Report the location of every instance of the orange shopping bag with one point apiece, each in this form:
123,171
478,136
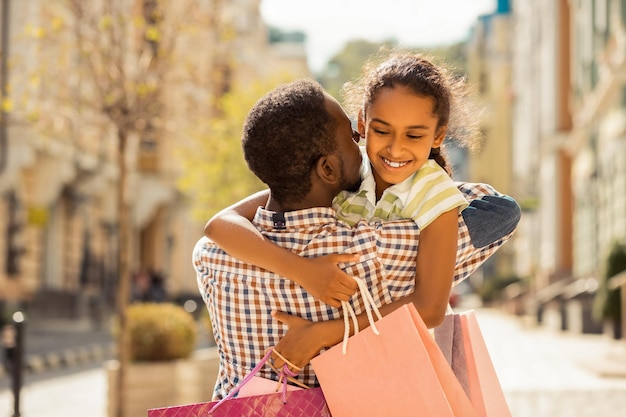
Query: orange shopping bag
463,345
398,372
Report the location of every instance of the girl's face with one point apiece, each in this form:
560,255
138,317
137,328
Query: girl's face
400,130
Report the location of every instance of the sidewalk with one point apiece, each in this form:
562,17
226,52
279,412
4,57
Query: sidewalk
556,374
543,374
64,344
54,344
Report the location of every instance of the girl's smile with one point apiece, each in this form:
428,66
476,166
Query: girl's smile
393,164
400,130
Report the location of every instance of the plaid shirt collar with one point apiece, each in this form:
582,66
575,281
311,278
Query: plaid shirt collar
294,220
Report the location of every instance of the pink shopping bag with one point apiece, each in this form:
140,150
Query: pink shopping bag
299,403
259,399
485,390
463,345
398,372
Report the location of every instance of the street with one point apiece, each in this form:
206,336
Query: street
543,374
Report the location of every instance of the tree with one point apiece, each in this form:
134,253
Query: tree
215,171
346,65
454,55
101,78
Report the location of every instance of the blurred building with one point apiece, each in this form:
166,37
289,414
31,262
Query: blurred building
489,69
564,110
58,233
542,120
598,140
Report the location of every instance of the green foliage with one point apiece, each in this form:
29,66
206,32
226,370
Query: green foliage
215,172
607,303
492,287
346,65
453,55
278,35
529,203
160,332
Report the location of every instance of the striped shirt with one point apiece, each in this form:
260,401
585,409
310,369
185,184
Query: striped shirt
240,296
423,197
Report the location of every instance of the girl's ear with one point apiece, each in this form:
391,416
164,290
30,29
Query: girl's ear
440,136
327,169
360,124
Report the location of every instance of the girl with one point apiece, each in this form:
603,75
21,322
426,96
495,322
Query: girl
404,114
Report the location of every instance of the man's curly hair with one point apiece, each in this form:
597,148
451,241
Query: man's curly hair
284,135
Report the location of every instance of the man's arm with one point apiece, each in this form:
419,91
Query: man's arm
484,226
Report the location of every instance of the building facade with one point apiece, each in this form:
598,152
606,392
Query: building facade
489,52
58,199
598,140
568,140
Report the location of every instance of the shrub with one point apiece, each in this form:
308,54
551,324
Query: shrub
160,332
493,286
608,304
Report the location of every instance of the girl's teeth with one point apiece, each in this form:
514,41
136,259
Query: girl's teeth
394,164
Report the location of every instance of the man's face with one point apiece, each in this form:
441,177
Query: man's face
347,147
349,182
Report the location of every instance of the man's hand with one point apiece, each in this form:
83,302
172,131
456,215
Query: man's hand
324,280
301,343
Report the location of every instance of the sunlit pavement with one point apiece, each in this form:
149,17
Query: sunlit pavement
543,373
547,373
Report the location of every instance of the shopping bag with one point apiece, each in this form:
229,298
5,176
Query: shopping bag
260,398
259,385
392,368
299,403
449,337
462,342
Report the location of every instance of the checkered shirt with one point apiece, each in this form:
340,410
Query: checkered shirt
240,296
468,256
423,197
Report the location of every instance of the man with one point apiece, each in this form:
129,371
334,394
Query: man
298,140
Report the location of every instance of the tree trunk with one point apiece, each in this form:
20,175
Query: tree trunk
123,289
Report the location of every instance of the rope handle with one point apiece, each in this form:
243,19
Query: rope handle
348,313
296,367
285,374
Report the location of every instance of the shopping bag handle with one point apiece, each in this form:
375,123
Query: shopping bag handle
285,374
348,313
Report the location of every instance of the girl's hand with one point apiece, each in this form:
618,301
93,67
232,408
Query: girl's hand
301,343
324,280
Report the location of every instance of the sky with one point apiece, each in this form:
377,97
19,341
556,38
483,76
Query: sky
329,24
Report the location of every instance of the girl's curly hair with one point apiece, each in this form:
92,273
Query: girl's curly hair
425,76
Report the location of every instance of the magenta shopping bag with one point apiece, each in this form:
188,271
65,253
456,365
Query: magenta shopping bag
291,402
299,403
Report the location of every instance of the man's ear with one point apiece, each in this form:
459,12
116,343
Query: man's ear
327,169
360,123
440,136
